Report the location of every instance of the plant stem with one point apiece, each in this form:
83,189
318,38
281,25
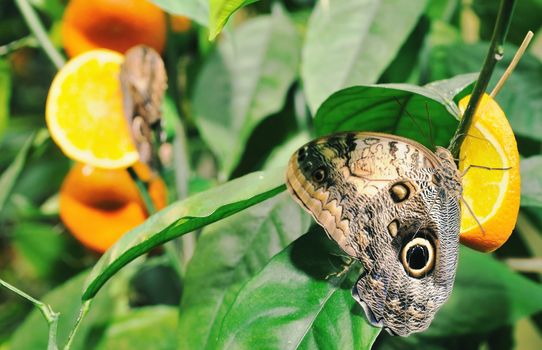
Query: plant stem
513,64
82,313
27,41
143,192
50,316
171,251
35,25
494,54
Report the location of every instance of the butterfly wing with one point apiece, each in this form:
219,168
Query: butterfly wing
377,197
143,81
409,275
335,177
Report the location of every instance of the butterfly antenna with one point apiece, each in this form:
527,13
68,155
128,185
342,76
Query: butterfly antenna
473,215
404,109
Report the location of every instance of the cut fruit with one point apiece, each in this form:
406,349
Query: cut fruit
492,195
84,111
112,24
98,206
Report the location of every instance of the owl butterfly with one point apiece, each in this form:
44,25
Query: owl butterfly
143,81
394,205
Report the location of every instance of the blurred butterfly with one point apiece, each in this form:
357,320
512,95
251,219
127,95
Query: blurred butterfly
143,82
394,205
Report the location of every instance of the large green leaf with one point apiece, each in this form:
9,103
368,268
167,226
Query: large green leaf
228,253
291,302
5,92
151,327
185,216
487,295
198,10
531,181
426,114
220,11
336,329
520,98
65,299
351,42
243,82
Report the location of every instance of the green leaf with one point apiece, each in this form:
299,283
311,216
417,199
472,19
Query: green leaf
487,295
53,8
288,304
182,217
5,92
29,238
531,182
11,174
198,10
520,98
33,332
336,329
426,114
151,327
351,42
228,253
245,81
220,11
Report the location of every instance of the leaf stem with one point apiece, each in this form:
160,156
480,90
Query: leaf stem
50,316
85,307
171,250
143,192
494,55
35,25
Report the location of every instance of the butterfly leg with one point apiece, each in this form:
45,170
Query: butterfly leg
472,166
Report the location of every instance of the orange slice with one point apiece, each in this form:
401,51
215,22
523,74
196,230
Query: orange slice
84,111
493,195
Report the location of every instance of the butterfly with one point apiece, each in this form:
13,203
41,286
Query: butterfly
144,81
393,204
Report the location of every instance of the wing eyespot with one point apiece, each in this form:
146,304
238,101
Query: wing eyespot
418,257
400,192
393,227
319,175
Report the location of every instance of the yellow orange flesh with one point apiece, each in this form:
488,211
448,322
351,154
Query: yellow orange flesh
84,111
492,195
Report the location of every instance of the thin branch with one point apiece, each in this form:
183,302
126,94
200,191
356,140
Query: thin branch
82,313
171,251
494,54
50,316
513,64
143,191
35,25
525,264
27,41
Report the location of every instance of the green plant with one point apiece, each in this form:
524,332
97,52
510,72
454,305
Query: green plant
254,272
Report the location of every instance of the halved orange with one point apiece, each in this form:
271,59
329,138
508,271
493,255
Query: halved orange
84,111
99,205
492,195
112,24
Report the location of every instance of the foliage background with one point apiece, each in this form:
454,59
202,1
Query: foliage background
246,101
